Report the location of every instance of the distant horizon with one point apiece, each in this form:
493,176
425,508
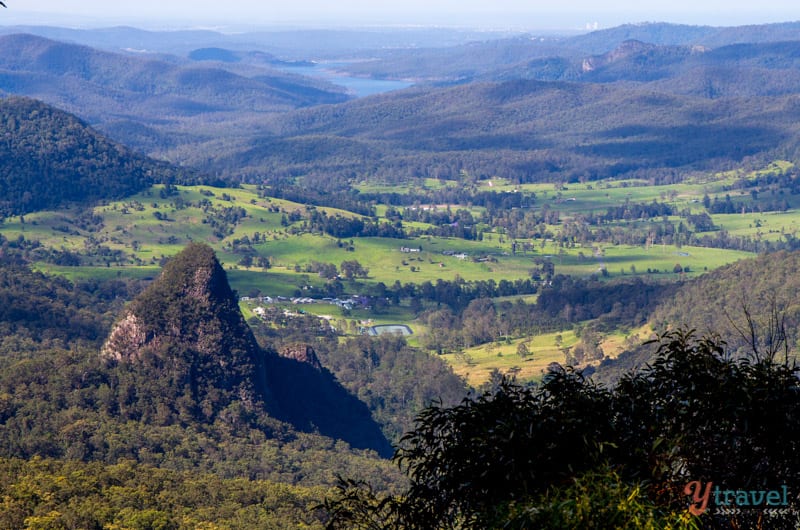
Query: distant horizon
504,15
232,28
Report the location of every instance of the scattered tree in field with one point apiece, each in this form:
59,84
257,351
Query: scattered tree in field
353,269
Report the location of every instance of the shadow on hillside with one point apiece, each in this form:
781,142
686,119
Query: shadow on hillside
313,401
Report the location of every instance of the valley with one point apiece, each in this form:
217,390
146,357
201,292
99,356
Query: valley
271,247
239,271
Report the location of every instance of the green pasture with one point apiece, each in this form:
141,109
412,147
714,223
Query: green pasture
476,364
132,227
387,263
627,260
100,273
768,226
596,197
424,184
664,258
273,282
52,229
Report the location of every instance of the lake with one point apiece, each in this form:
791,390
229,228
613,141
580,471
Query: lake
357,86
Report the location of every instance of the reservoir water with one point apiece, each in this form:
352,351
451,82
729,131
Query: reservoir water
357,86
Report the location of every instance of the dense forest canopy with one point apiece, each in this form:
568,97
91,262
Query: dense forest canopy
50,158
62,399
529,131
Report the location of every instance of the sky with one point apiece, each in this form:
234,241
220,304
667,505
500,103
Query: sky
490,14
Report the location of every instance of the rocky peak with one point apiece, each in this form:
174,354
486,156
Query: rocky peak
189,320
191,303
191,348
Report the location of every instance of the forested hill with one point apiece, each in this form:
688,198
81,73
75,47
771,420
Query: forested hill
657,104
63,403
189,320
102,83
749,298
525,130
49,157
717,301
663,33
737,70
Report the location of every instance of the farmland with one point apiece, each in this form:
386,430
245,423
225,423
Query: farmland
272,246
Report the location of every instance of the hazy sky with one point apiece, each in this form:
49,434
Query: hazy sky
530,14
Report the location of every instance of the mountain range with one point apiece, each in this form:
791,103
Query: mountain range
484,58
694,98
289,44
527,130
146,102
168,373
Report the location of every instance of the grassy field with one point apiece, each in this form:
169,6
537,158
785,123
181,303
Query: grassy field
148,227
596,197
767,226
131,238
140,232
476,364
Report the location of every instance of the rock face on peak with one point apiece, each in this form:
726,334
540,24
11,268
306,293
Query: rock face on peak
193,355
628,48
302,353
